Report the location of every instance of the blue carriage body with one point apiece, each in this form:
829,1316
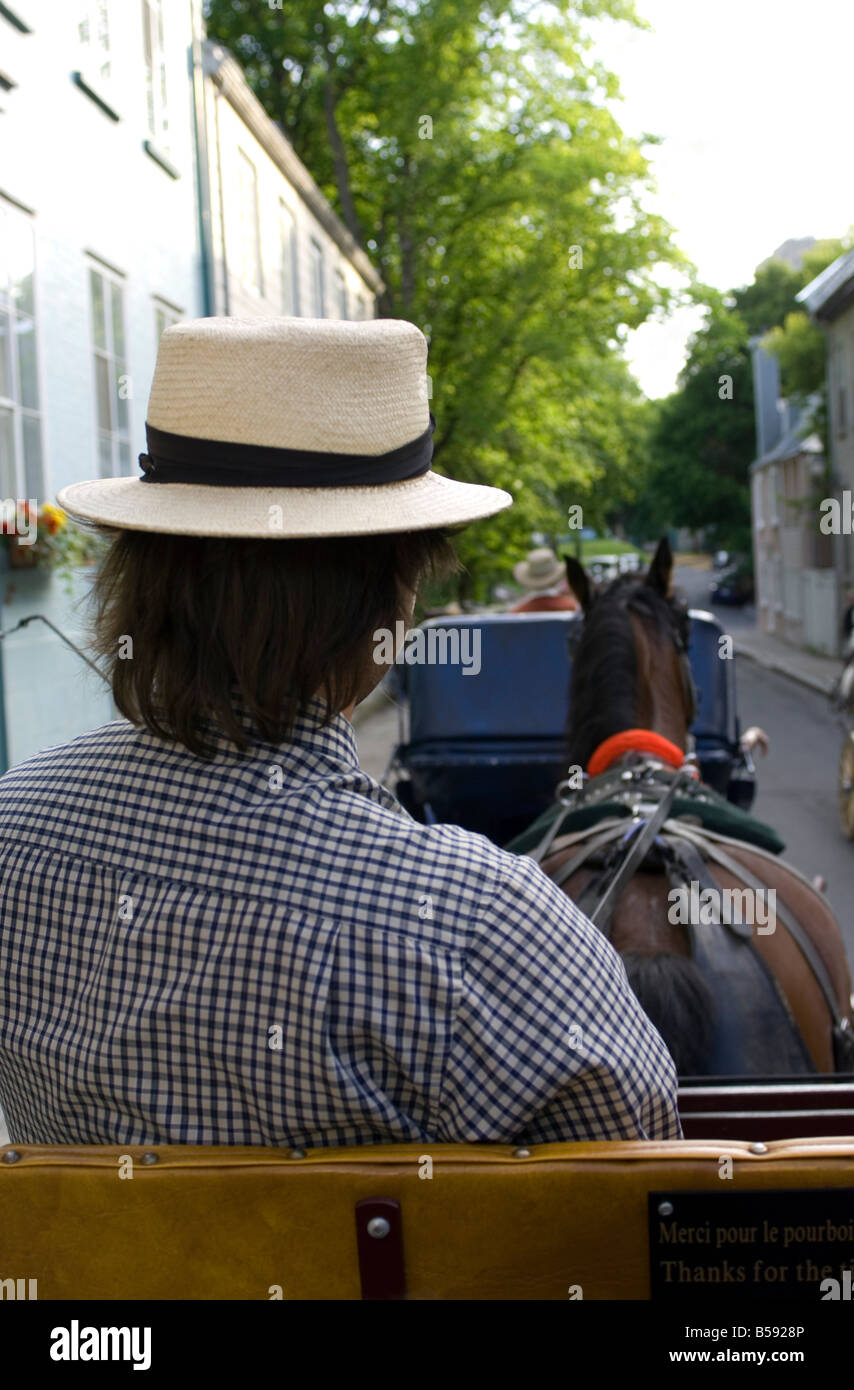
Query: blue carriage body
487,750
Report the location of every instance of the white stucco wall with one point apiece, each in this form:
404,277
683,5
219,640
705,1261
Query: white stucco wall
91,188
229,140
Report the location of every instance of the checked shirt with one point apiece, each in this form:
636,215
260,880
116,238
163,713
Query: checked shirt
264,948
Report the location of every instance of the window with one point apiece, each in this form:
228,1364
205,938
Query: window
250,226
94,33
111,380
21,473
155,72
317,287
164,317
288,260
341,294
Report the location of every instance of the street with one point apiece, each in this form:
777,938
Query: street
797,779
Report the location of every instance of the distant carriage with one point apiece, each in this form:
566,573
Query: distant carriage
486,752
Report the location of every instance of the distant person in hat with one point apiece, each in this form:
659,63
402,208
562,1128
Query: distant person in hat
544,576
215,928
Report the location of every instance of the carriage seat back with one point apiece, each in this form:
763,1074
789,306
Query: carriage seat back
488,711
715,724
521,690
426,1221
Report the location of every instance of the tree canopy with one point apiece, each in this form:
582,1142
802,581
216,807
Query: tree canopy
701,440
470,148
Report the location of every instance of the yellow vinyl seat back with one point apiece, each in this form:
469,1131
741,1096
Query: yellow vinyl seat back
424,1222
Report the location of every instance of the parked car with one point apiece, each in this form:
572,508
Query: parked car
604,568
733,585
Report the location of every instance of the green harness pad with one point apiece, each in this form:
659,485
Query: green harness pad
700,803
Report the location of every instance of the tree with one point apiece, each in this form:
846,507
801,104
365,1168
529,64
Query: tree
469,149
703,440
801,345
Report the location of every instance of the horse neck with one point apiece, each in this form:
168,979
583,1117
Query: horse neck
660,686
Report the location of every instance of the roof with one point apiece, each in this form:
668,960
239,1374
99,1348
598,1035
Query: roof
790,446
832,291
228,75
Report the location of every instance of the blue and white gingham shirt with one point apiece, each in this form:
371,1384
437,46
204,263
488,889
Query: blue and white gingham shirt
266,949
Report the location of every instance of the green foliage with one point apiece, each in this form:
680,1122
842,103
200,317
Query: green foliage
703,438
770,296
468,148
800,347
700,444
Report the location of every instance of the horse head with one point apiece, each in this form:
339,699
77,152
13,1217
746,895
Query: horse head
630,665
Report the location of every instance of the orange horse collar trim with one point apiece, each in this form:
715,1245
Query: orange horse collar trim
634,741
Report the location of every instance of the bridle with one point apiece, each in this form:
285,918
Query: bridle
690,697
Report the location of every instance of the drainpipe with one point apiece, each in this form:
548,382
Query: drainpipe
203,186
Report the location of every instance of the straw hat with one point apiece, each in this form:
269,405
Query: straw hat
540,570
286,427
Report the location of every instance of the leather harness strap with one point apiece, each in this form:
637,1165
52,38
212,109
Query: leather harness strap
638,847
789,921
688,847
606,837
750,1001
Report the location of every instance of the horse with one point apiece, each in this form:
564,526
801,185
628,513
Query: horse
729,996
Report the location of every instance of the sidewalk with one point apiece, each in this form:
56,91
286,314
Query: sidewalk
818,672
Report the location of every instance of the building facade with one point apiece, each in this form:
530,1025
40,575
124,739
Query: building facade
274,244
829,299
793,563
140,183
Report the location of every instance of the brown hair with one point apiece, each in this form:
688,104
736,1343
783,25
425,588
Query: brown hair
274,622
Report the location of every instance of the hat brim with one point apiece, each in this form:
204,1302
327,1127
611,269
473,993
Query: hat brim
191,509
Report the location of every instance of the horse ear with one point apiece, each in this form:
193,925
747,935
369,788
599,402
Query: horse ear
578,581
661,570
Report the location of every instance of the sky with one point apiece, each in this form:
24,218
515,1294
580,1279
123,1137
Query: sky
754,101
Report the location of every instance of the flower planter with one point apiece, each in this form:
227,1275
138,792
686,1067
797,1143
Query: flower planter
24,557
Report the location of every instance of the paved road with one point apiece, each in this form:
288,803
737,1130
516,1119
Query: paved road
797,780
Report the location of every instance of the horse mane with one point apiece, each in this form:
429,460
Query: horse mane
603,688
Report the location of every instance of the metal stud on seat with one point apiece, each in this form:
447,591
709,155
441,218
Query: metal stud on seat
521,1153
759,1148
11,1156
296,1153
379,1240
150,1158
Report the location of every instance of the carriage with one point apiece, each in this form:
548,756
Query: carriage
487,750
435,1221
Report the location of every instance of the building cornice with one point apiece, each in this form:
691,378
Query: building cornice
227,75
831,292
